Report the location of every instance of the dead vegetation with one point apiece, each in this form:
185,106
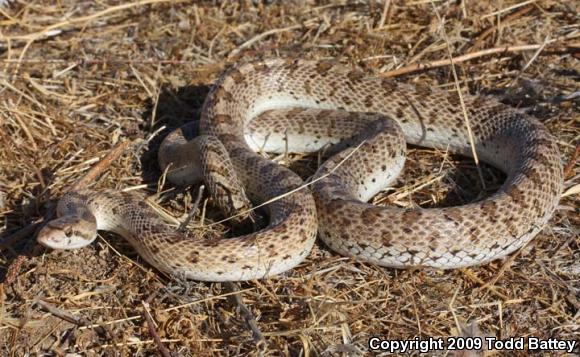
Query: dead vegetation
78,78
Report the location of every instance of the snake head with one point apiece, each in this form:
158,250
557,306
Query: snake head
68,232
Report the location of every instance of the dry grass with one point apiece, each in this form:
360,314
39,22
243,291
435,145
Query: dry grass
80,77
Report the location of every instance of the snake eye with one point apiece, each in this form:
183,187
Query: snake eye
68,232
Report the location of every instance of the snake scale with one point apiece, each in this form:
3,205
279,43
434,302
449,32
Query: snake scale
294,105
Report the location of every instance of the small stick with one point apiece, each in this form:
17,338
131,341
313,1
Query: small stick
490,30
153,332
386,6
508,9
96,170
570,165
193,210
67,316
257,335
416,67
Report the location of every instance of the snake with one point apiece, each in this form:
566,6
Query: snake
364,122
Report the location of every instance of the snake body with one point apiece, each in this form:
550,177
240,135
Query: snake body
293,105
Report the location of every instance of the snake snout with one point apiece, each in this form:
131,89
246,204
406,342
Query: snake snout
67,232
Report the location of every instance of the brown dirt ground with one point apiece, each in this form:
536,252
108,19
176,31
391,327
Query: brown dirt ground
80,77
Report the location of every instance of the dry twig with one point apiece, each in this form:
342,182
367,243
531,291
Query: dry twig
479,41
67,316
257,335
463,58
193,210
153,331
101,166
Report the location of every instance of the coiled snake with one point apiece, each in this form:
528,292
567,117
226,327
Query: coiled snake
292,105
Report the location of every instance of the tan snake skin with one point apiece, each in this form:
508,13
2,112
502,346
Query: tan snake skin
260,106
